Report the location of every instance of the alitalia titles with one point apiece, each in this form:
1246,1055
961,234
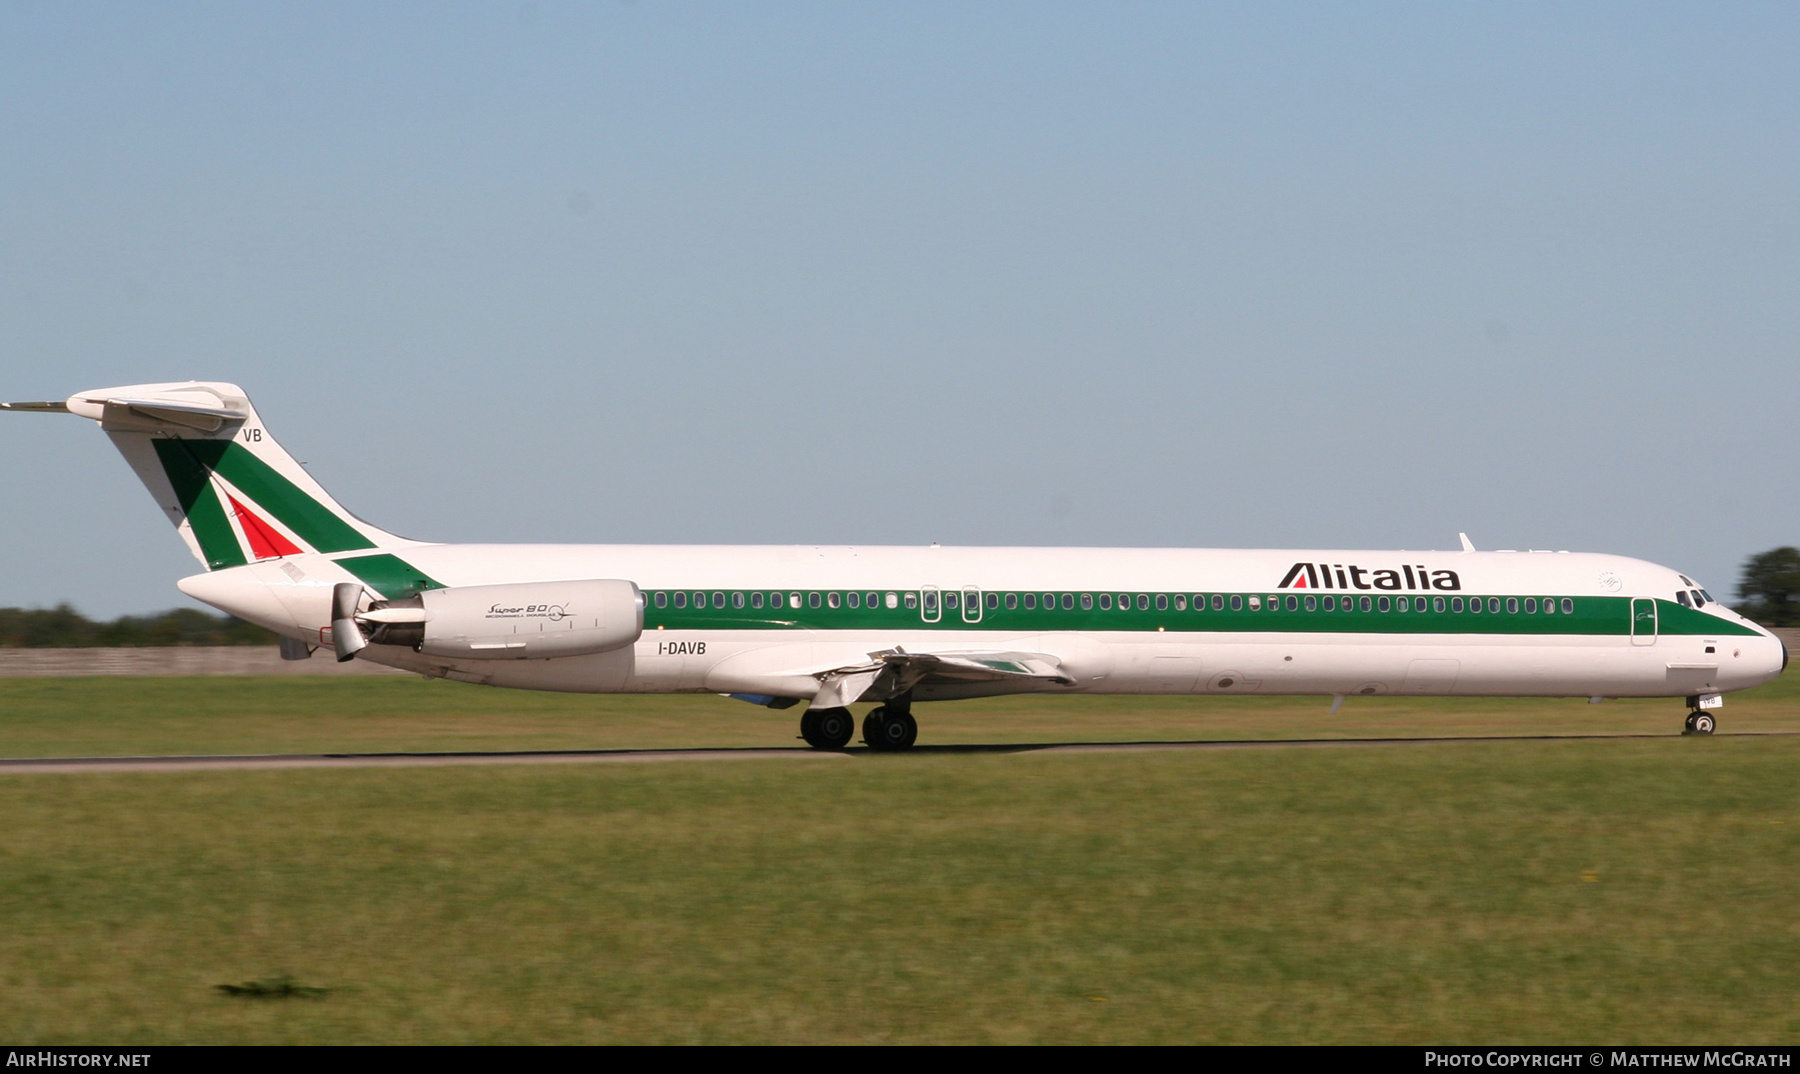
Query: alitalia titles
1351,576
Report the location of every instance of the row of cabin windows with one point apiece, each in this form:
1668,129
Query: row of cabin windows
757,600
1143,602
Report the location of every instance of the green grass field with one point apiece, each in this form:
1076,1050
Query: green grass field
110,717
1637,890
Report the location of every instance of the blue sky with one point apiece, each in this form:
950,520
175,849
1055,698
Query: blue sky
1357,275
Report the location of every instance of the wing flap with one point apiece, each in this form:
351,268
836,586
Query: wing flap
893,672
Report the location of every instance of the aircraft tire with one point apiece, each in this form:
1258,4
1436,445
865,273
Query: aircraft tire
1703,723
827,729
1688,727
887,730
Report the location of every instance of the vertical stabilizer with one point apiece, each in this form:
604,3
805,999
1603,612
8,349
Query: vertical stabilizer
235,496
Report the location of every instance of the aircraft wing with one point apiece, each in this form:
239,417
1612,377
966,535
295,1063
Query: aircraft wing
892,672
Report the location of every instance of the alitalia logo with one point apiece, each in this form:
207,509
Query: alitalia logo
1351,576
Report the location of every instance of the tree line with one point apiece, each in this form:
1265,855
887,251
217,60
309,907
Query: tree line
1769,591
64,627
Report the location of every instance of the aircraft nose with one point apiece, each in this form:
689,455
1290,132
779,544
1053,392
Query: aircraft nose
1772,667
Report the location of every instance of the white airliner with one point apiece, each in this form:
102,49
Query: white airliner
833,626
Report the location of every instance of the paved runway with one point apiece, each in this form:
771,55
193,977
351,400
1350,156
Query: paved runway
226,762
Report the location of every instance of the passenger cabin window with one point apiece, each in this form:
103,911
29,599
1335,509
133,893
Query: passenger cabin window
1255,604
662,599
951,600
1384,604
1068,602
1031,602
1293,603
1437,604
1312,603
1366,604
912,601
1106,602
1530,605
1162,602
737,600
893,600
1512,605
1329,602
1181,602
853,599
1237,602
812,600
1568,606
756,599
931,601
992,600
793,600
1087,602
1494,605
680,599
1143,602
832,600
1012,602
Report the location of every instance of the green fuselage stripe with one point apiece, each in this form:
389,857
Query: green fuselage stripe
389,575
1597,616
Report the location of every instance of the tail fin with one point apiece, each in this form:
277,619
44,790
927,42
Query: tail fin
235,496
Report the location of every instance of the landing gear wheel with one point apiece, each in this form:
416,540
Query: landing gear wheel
1702,723
1688,728
888,729
827,729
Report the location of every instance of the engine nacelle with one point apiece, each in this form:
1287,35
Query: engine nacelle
519,621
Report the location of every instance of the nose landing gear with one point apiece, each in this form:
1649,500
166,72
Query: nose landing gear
1699,722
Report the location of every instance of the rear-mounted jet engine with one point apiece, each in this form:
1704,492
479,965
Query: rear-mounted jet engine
527,620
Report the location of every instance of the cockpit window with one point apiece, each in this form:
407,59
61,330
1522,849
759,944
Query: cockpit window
1707,596
1681,598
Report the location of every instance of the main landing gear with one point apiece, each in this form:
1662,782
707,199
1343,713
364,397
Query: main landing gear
1698,721
887,728
890,727
827,729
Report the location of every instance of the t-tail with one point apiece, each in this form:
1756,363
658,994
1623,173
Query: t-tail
234,495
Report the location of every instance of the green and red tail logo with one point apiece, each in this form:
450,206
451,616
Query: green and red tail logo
241,509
